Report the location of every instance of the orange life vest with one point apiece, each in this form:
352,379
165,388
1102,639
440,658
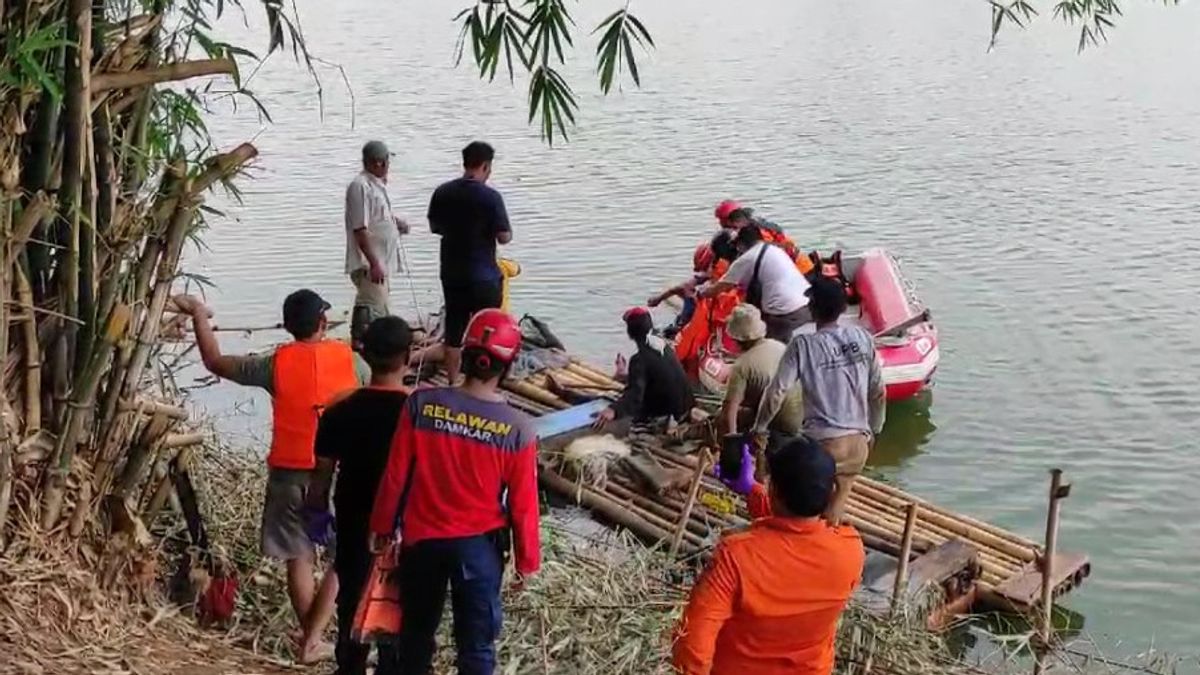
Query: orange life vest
307,377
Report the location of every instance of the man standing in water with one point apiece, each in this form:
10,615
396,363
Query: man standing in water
461,475
372,239
302,377
844,403
471,219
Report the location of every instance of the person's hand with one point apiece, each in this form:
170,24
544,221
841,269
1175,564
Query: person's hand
377,273
401,225
604,417
744,482
190,304
377,543
654,301
758,443
318,524
517,585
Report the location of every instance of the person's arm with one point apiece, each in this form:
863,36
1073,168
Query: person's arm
221,365
709,607
785,378
735,394
500,224
523,510
630,402
434,214
395,475
758,503
876,393
716,288
327,448
734,277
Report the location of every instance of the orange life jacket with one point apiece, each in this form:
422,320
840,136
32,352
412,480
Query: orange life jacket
803,263
307,377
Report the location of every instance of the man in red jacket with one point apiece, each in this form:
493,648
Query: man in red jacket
462,470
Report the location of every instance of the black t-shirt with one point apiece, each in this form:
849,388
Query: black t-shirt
657,385
468,215
357,432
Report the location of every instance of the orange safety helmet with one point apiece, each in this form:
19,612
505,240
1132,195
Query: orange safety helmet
724,209
494,332
703,258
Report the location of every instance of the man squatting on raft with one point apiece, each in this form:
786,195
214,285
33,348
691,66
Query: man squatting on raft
842,383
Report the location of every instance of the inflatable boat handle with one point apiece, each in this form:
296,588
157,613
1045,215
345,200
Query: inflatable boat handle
898,329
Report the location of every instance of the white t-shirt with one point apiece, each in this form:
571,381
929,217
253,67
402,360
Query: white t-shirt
368,206
783,285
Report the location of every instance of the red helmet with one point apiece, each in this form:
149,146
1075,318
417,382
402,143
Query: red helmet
703,258
494,332
725,208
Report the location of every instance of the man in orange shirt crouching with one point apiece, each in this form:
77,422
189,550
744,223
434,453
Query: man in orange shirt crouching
770,599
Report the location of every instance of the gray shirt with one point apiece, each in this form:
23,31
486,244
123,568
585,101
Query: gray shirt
841,379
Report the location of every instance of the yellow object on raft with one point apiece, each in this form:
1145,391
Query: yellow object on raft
508,269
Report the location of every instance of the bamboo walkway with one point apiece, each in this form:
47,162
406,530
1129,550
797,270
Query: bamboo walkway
1008,574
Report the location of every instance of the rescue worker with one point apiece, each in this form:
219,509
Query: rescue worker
772,234
656,386
462,472
842,382
723,211
702,263
755,367
710,313
372,238
355,437
770,599
302,377
771,282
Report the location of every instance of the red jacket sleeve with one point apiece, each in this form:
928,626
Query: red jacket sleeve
395,476
523,509
757,502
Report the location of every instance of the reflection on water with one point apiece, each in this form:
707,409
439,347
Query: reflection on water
1044,202
908,428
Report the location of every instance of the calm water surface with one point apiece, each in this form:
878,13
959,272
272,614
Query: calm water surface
1043,201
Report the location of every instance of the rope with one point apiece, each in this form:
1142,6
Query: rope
412,289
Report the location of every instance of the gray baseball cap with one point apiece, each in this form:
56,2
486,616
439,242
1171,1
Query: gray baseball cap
375,151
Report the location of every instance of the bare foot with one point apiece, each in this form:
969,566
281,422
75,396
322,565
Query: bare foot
312,651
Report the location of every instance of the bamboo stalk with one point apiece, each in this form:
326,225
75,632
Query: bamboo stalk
703,515
172,72
591,375
656,508
535,393
910,522
86,281
148,407
1058,492
183,440
82,402
693,491
958,527
929,507
33,365
35,210
602,505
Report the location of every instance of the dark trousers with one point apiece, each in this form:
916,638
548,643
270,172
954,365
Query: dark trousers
472,567
353,565
781,326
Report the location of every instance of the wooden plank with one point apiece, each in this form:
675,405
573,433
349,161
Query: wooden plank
1024,589
935,567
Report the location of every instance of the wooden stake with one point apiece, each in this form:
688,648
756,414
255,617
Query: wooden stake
693,491
1058,492
910,524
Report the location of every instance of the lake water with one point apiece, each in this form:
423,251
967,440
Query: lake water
1043,201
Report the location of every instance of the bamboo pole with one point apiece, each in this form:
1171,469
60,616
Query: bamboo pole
929,507
910,523
172,72
1058,492
955,525
656,508
693,492
35,210
535,393
603,506
184,440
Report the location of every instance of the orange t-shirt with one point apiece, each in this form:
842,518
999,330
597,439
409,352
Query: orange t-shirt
770,600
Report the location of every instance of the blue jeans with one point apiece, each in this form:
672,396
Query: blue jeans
473,569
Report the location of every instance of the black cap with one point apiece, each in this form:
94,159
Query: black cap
802,476
827,297
302,312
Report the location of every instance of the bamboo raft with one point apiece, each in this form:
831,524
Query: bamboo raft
1005,568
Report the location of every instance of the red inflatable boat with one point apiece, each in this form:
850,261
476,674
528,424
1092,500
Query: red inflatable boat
905,337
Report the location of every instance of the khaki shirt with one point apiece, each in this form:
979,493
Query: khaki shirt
258,370
753,372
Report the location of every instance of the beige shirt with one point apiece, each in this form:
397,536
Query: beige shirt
368,207
752,374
